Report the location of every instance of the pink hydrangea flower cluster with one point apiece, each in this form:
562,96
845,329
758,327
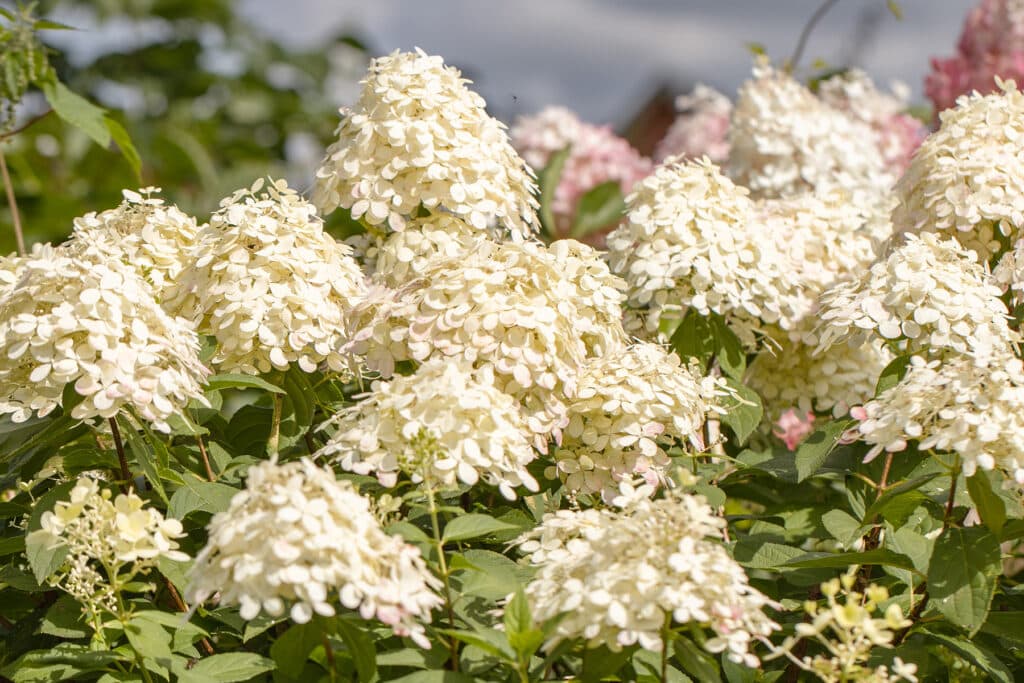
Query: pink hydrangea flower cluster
701,127
597,155
792,428
991,44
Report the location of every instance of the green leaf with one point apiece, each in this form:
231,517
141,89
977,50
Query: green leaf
291,650
78,111
696,661
239,381
991,507
435,677
125,145
494,577
744,413
842,526
878,556
517,614
473,525
548,180
64,620
650,663
962,575
149,638
174,570
361,648
973,653
812,451
756,554
914,545
600,207
1006,625
694,338
62,662
489,640
894,493
600,662
728,348
196,494
147,455
892,373
227,668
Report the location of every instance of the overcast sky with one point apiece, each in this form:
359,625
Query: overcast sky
603,57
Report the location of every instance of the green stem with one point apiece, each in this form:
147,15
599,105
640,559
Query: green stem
126,475
443,563
273,443
806,33
206,458
19,236
329,654
666,634
954,474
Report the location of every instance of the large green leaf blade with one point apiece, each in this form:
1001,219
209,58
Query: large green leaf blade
962,575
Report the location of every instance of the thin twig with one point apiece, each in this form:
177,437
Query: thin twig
182,607
15,216
126,474
206,459
801,43
954,475
31,122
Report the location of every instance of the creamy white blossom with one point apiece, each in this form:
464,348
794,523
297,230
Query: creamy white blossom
154,238
690,241
897,133
928,292
445,423
1008,274
78,318
836,379
967,179
786,141
398,258
270,284
631,404
418,136
614,575
975,409
108,543
533,313
298,540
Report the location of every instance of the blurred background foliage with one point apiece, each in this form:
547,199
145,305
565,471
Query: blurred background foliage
209,101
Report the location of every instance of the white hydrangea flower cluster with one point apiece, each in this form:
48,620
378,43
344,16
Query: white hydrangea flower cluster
419,137
398,258
630,404
80,319
296,535
11,265
445,423
533,313
824,236
835,379
897,134
154,238
928,293
957,405
967,179
850,634
689,241
786,141
701,127
270,284
120,536
614,575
